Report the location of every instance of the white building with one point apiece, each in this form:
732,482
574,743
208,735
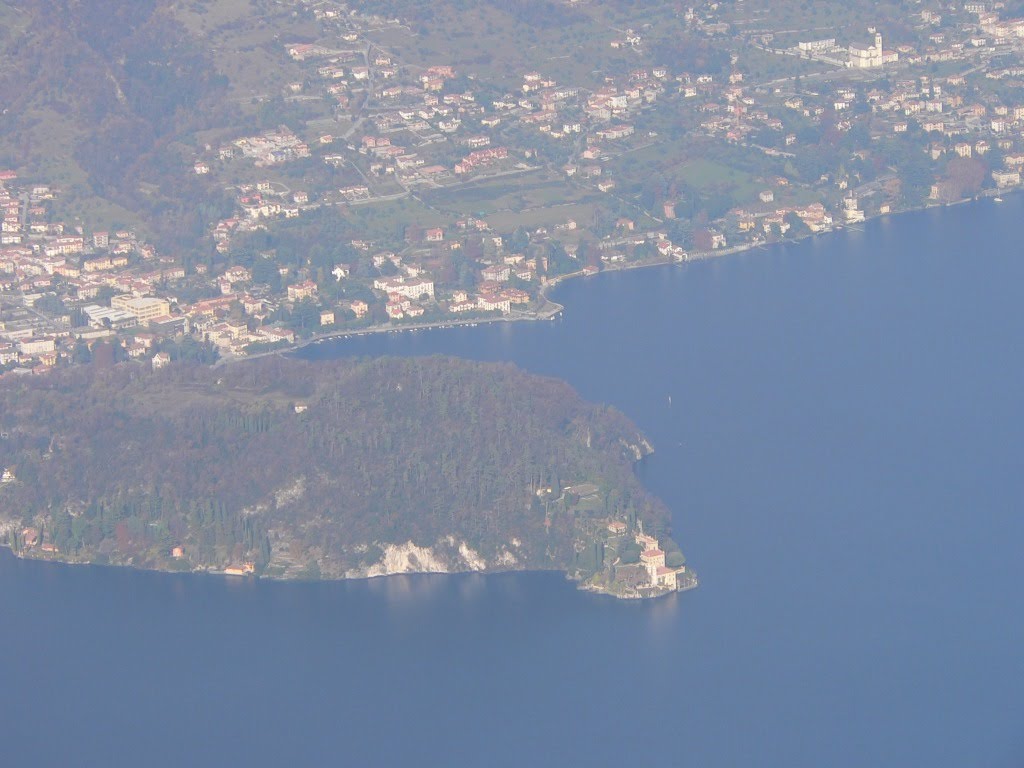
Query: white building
872,56
851,211
490,302
411,289
103,317
817,46
36,346
143,309
1006,178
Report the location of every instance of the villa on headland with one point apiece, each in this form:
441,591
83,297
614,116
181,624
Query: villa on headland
652,558
643,573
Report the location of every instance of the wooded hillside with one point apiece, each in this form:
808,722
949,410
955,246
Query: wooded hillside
312,465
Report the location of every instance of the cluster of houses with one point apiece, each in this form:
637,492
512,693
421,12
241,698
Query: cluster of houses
256,205
410,296
51,275
419,116
961,113
268,148
480,158
433,126
68,289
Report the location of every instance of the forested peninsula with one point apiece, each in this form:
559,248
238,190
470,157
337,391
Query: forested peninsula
289,469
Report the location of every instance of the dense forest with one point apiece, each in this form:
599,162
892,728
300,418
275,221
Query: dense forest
312,468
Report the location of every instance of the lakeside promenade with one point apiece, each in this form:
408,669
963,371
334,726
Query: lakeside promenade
551,310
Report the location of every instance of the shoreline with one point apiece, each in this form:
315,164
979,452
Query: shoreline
552,310
231,577
549,310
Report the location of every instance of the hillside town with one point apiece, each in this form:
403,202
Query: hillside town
463,198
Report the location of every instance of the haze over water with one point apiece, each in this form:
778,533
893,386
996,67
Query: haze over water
843,455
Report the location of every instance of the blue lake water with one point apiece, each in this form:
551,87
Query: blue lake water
844,455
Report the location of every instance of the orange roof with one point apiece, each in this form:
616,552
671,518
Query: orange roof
652,553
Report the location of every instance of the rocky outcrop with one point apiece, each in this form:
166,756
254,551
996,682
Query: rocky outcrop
637,449
446,556
409,558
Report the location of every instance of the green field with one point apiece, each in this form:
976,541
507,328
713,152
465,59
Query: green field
386,222
513,193
548,217
538,199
